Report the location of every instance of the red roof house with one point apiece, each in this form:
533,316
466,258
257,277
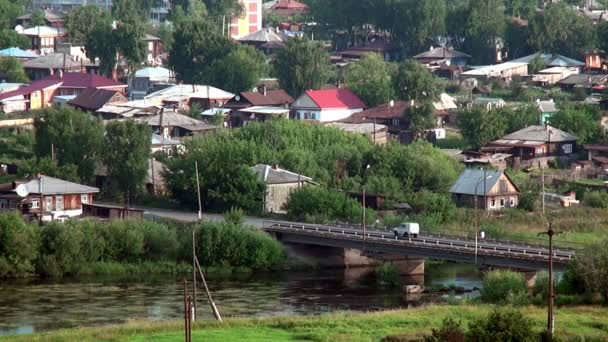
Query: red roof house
288,8
326,105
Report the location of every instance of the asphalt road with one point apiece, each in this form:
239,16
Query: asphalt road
186,216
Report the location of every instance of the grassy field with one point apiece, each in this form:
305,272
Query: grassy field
590,323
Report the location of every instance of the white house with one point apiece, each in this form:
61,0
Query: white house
326,105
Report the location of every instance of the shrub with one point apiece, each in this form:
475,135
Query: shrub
160,241
501,325
60,250
527,201
387,275
234,216
499,286
18,245
596,199
437,204
124,241
450,330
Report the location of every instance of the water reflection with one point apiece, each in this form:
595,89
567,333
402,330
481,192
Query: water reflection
31,305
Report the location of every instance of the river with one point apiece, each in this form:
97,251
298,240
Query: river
28,306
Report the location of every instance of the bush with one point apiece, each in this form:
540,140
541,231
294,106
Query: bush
124,240
18,246
234,216
318,202
60,250
501,325
439,205
499,286
450,330
527,201
387,275
596,199
160,241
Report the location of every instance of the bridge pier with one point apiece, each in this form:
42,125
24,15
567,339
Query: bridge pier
530,277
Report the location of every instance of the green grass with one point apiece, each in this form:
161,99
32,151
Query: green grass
588,322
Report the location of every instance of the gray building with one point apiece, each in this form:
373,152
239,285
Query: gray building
279,185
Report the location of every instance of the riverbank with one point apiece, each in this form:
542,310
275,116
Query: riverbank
588,322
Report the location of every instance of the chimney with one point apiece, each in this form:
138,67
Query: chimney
262,89
275,166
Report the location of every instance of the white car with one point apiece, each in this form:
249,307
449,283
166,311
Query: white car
407,229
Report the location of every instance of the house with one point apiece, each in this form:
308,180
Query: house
444,108
589,82
536,146
266,39
92,99
111,212
377,133
598,154
15,52
264,102
154,50
547,110
489,103
554,74
493,190
40,93
51,64
286,8
44,38
184,96
130,109
279,184
393,115
249,21
165,145
51,18
505,71
45,198
596,60
551,60
150,79
174,125
379,45
326,105
443,55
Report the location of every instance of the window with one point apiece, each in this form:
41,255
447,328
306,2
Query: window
12,205
395,122
84,198
512,201
567,148
34,205
3,204
59,203
492,203
502,202
49,203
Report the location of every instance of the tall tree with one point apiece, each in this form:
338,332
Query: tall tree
421,117
81,21
521,8
99,43
516,119
479,126
484,29
71,136
10,38
37,18
251,67
129,38
414,82
12,68
370,79
9,11
302,65
129,156
580,120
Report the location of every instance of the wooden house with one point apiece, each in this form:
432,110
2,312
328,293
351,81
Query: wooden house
494,190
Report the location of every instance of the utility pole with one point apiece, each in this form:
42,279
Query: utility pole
551,295
363,216
200,216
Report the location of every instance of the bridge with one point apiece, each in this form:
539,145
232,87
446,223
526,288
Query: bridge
382,244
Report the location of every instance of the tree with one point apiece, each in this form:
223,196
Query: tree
239,70
81,21
72,136
9,11
12,68
484,28
10,38
479,126
99,43
414,82
128,158
580,120
370,79
302,65
19,243
501,325
165,33
37,18
521,117
602,35
450,330
129,39
197,44
421,117
521,8
592,266
536,64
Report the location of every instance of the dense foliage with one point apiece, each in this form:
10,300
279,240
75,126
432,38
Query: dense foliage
500,286
501,325
12,69
59,249
336,160
581,121
370,78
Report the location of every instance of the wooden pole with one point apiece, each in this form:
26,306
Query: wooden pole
216,312
550,316
198,188
185,312
363,221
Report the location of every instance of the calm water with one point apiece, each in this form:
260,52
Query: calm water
30,306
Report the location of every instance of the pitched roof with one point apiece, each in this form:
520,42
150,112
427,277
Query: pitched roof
150,37
93,98
264,35
44,31
276,175
170,119
17,53
471,182
551,59
441,52
584,80
335,99
272,98
545,133
84,80
54,186
292,4
30,88
184,91
154,73
49,15
382,112
159,140
547,106
53,61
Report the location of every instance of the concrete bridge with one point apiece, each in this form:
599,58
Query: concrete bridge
347,247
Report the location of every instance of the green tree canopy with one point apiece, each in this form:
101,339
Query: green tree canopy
521,117
37,18
9,11
99,43
479,126
18,245
302,65
580,120
81,21
485,25
74,137
10,38
371,80
128,158
414,82
12,68
251,67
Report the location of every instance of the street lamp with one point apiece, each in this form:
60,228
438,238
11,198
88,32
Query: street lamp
363,200
477,209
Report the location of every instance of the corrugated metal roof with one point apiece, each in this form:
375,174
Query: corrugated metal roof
442,52
17,53
54,186
544,133
270,175
471,182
